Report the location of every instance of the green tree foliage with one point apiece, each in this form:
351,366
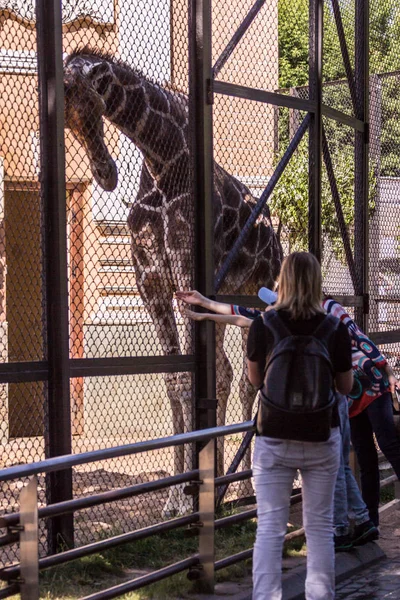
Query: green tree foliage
293,39
290,199
293,43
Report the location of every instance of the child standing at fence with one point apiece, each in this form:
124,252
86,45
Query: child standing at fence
371,409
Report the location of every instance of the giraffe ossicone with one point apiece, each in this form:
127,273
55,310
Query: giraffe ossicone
155,118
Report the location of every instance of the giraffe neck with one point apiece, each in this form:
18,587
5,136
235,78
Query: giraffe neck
154,118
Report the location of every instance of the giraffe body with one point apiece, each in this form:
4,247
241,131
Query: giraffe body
155,118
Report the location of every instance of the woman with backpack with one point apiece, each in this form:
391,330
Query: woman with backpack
297,424
348,501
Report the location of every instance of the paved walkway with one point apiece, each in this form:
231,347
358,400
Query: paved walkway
378,582
375,582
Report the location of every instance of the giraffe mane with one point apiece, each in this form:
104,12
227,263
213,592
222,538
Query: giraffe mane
82,50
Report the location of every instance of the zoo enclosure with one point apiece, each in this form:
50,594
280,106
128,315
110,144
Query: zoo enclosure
78,333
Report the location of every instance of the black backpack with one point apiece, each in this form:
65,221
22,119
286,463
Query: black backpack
297,398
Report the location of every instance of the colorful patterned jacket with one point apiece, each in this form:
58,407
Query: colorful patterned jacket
370,379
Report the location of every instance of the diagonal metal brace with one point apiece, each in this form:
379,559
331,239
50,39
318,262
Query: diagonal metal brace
235,463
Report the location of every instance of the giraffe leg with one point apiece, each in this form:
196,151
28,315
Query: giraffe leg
224,378
248,394
157,294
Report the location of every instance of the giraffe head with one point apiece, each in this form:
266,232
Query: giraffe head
84,110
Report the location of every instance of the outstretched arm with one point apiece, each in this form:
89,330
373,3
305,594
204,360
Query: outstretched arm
226,319
195,298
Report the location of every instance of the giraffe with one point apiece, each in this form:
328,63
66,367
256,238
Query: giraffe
155,118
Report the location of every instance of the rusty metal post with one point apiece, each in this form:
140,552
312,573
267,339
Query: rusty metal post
207,516
29,543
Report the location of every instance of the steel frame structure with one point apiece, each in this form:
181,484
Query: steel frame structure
59,368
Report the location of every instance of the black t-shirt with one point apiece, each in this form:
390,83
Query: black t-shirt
260,342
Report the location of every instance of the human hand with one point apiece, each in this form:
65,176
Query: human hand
191,297
392,379
195,316
393,382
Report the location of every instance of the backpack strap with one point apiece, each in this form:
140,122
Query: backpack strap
278,328
326,328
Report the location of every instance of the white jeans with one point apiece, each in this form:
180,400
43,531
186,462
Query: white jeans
274,468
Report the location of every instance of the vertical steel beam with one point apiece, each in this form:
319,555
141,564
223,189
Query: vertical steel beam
315,131
200,85
52,183
361,165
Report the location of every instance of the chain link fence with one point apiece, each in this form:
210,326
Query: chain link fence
130,235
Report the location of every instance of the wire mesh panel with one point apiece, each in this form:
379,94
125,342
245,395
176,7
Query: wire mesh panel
256,46
22,326
384,157
130,221
131,213
136,64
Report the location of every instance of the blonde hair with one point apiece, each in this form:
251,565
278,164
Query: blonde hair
300,286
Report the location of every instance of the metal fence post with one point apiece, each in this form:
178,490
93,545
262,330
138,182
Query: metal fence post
207,516
29,543
361,156
52,180
200,82
315,130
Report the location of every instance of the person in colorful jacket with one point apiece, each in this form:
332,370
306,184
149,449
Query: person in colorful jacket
370,409
374,380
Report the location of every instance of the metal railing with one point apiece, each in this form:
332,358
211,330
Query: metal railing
23,526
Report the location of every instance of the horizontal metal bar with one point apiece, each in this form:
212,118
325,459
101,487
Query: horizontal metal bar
70,460
9,538
388,299
139,582
294,534
244,555
9,591
131,365
102,545
224,479
24,371
349,300
296,499
233,519
255,302
341,117
387,74
240,91
248,301
385,482
69,506
97,367
231,560
385,337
